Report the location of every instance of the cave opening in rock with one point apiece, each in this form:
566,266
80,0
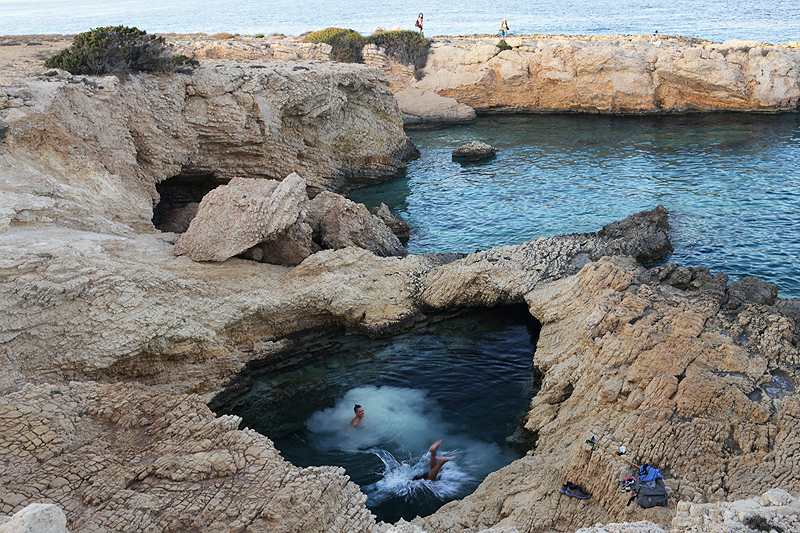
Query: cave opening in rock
181,191
466,379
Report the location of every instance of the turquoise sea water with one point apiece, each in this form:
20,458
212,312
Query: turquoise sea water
772,21
730,182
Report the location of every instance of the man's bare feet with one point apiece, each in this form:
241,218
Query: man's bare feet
435,446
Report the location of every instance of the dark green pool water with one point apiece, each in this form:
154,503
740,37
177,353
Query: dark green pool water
465,380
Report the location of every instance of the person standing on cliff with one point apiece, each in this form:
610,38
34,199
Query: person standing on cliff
359,415
418,23
504,29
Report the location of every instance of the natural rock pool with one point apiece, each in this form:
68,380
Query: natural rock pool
466,380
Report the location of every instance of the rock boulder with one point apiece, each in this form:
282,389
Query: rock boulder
339,223
398,226
236,217
474,151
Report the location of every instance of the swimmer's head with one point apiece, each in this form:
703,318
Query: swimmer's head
358,410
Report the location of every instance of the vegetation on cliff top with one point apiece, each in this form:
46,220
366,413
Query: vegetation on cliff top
115,49
407,47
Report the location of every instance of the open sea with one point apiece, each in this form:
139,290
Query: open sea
773,21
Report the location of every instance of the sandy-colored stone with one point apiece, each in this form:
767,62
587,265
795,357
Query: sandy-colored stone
613,74
423,107
336,125
693,374
235,217
139,460
36,518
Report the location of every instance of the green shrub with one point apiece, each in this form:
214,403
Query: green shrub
407,47
115,49
503,45
259,36
346,44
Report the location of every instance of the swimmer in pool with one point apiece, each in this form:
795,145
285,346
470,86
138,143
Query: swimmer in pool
359,415
436,464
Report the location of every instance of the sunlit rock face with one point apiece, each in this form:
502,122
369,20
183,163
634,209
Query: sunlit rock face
88,152
613,74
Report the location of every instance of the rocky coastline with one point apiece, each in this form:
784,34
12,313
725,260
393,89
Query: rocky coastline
112,345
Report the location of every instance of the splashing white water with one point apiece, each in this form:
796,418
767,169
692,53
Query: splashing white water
398,479
398,427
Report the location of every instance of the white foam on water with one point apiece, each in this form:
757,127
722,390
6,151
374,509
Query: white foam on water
399,427
397,418
398,479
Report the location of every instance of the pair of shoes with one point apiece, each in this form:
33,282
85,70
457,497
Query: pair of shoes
626,485
576,491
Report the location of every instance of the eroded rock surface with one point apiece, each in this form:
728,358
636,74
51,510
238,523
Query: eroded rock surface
693,374
664,362
613,75
65,292
127,458
87,152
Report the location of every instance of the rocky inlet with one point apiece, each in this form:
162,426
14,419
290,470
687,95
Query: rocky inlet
112,345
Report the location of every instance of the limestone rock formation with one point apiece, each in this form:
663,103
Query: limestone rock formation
36,517
228,310
613,74
338,223
235,217
395,223
474,151
663,362
693,374
128,458
337,125
423,107
273,222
